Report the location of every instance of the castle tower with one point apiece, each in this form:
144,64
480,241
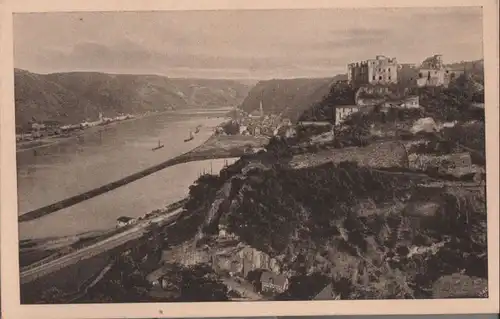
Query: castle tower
438,60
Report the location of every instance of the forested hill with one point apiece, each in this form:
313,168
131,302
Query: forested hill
73,97
475,69
291,97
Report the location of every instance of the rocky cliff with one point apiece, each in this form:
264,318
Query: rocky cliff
372,227
236,257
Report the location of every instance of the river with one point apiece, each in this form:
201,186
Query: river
103,155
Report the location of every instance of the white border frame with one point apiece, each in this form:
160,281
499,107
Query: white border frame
11,307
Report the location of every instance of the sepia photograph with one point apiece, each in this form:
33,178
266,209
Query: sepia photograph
252,155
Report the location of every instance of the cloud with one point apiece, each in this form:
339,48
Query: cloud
246,42
359,37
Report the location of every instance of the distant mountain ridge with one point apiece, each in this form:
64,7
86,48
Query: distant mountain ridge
290,97
73,97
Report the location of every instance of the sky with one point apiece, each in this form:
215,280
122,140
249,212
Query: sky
242,44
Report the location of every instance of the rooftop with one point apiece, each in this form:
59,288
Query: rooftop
315,123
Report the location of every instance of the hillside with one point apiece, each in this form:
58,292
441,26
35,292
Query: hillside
74,97
377,230
357,213
291,97
474,68
365,218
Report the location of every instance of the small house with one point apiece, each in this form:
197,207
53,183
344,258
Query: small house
314,123
219,130
124,221
272,282
227,263
411,102
343,111
255,114
285,131
286,121
38,130
223,231
38,126
243,129
256,131
290,132
52,124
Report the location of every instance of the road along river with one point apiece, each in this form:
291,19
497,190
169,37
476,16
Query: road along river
97,248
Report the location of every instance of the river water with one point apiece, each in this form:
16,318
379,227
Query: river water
106,154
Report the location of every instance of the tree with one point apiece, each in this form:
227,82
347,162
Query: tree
231,128
196,283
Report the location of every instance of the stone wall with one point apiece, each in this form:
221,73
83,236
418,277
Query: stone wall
449,161
384,154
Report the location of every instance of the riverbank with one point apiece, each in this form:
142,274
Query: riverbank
56,139
220,146
35,251
60,171
216,147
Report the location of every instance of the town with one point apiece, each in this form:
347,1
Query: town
48,128
381,81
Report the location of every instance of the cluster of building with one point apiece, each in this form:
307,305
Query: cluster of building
54,128
123,221
381,81
386,71
384,81
342,112
258,124
243,269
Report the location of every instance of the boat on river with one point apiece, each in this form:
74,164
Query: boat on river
158,147
190,138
